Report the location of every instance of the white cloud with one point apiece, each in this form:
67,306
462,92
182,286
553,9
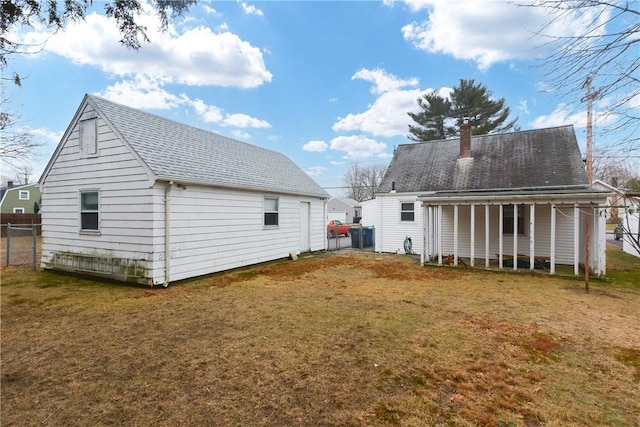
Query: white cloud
244,121
142,93
316,171
195,57
383,81
387,116
250,9
241,135
358,147
483,31
315,146
563,115
149,94
522,106
208,113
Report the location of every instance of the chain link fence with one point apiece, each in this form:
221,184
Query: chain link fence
20,245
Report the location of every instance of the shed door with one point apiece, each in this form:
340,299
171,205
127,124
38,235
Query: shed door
305,229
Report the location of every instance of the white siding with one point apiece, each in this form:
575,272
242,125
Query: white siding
369,213
631,224
390,230
219,229
126,215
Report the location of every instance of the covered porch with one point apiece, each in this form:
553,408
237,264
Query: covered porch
519,230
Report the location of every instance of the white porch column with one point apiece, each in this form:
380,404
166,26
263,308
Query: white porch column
425,228
473,235
500,221
515,236
486,236
552,240
532,224
439,233
576,239
455,235
601,266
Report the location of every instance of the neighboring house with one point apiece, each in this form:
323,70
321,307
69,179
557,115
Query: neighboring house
344,209
486,199
137,197
631,239
20,199
617,202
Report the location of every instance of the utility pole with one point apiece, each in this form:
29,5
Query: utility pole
587,222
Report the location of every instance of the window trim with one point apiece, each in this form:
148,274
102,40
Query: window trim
21,192
15,210
407,211
266,212
507,213
82,211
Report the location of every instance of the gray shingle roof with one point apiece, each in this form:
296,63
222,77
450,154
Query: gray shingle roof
177,151
528,159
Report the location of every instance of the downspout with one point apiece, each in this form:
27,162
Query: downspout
167,234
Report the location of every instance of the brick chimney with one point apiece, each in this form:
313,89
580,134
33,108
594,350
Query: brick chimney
9,184
465,139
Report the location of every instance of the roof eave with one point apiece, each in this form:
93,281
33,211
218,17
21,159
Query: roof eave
242,188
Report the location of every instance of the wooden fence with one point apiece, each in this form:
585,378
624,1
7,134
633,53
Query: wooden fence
19,219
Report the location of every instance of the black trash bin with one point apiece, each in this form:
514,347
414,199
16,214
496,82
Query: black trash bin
355,236
367,237
361,237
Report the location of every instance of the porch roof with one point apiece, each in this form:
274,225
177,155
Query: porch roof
544,195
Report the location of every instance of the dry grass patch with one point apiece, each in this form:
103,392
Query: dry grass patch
342,339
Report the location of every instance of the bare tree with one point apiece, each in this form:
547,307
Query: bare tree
608,167
605,50
361,182
16,145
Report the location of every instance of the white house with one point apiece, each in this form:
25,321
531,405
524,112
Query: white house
490,199
631,225
140,198
617,202
344,209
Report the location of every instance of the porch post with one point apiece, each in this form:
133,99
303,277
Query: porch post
552,239
532,223
473,235
515,236
486,236
425,227
455,235
500,220
576,240
439,233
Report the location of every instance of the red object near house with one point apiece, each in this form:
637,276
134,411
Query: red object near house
336,228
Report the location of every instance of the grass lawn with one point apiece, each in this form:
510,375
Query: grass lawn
348,339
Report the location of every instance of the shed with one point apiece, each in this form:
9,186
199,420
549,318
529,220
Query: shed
137,197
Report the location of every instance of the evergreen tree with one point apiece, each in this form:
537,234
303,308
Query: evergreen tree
486,115
431,119
440,118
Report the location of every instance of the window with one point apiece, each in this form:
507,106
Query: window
18,210
88,138
23,194
89,213
507,219
270,211
407,211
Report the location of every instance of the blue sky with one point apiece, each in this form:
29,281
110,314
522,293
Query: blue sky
326,83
